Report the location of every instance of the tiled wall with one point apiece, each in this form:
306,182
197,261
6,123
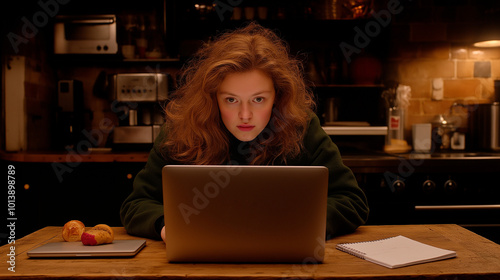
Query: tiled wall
419,65
432,42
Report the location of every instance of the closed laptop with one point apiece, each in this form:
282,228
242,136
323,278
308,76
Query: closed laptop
119,248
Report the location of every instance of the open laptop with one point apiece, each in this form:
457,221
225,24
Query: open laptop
232,213
119,248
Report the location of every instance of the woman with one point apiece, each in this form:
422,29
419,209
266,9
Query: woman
243,100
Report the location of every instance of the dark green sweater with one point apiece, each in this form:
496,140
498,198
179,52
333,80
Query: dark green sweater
142,212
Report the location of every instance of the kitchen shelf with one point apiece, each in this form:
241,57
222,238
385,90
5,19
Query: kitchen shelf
109,59
149,60
336,30
350,86
355,130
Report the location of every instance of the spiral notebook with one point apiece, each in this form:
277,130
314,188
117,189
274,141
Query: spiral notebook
397,251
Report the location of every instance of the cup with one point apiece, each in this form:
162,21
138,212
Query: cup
458,141
142,45
132,117
331,110
422,137
249,13
237,12
128,51
262,12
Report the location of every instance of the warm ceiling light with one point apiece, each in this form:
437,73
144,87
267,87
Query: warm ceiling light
487,44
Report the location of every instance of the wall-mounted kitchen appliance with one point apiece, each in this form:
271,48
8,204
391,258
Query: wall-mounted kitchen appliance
85,34
137,101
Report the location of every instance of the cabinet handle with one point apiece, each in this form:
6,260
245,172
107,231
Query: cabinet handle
92,21
457,207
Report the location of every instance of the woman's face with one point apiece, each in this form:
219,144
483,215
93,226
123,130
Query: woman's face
245,102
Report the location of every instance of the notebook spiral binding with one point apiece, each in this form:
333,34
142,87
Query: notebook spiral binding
353,252
345,247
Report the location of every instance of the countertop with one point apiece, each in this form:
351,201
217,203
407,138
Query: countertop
64,156
368,161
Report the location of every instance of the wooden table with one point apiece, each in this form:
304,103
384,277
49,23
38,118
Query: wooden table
477,258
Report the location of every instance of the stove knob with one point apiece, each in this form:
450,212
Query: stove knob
428,186
397,186
450,186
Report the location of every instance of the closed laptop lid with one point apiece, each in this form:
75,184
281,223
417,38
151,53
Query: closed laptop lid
119,248
236,213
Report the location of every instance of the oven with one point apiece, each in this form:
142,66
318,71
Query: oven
456,188
85,34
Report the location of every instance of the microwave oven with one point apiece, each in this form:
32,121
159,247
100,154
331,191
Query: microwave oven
89,34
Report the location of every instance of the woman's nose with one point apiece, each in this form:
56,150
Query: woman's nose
245,112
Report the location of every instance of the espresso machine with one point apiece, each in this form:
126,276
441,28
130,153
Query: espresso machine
137,102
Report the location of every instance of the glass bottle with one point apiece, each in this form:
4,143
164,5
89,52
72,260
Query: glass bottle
395,124
141,40
155,47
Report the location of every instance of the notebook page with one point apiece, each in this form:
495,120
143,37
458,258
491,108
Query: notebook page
396,251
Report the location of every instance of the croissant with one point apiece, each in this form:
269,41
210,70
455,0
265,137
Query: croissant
73,230
100,234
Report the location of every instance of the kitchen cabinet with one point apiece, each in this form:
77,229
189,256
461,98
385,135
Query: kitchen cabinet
439,188
52,193
330,48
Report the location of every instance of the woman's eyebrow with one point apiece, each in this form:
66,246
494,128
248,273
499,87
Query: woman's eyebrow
226,93
253,94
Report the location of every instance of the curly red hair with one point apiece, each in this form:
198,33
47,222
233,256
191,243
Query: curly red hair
196,133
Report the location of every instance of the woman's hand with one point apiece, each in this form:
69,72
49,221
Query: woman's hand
163,233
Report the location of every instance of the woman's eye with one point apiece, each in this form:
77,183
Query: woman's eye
259,99
231,100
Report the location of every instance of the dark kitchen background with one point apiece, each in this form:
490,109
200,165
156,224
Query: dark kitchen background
76,158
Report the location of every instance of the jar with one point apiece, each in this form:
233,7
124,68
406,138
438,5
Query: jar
365,69
442,132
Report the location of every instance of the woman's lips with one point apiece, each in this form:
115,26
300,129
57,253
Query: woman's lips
245,127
